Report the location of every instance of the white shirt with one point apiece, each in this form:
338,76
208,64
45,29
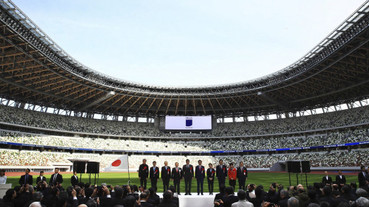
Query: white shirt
3,179
55,176
252,194
242,203
36,204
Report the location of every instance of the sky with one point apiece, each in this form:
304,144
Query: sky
187,43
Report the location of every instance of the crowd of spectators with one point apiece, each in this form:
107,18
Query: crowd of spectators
87,195
249,128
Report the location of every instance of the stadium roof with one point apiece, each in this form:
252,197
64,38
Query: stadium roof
35,70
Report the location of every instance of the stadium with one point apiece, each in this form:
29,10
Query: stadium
54,111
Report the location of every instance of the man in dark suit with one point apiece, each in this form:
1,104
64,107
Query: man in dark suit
200,176
242,176
143,173
177,175
340,179
210,175
56,178
221,172
326,180
154,175
74,179
26,178
362,177
188,174
165,175
41,178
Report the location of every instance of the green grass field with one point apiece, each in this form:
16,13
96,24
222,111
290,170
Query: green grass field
258,178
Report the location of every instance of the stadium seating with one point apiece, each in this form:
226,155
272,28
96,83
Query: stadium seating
251,128
230,136
255,143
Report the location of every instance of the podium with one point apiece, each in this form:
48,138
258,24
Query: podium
4,188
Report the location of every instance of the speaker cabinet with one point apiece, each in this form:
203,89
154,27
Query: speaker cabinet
93,167
305,166
79,167
293,166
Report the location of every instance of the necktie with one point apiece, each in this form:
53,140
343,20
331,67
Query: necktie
25,179
54,179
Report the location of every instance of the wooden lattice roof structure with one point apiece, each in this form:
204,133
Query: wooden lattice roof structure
35,70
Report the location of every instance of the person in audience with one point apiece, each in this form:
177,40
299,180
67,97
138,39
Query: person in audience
74,179
143,173
41,178
347,194
326,180
272,195
118,198
144,196
9,198
154,199
340,179
250,194
241,176
26,178
2,176
154,175
229,198
188,174
326,195
165,175
293,202
56,178
218,199
210,176
167,200
259,196
242,202
232,175
177,175
221,173
302,196
175,198
200,176
283,201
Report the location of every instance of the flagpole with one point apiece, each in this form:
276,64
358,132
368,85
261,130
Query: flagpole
129,176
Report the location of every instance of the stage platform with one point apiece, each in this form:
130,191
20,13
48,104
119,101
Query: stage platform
195,200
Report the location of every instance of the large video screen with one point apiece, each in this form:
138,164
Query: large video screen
188,123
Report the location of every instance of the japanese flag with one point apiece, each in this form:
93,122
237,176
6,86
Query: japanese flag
118,165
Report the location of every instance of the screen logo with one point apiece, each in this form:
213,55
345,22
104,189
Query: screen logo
189,122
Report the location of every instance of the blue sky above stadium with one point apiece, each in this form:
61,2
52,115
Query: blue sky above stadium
189,42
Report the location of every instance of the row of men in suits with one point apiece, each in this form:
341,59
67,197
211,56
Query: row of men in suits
340,179
56,178
221,172
363,178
